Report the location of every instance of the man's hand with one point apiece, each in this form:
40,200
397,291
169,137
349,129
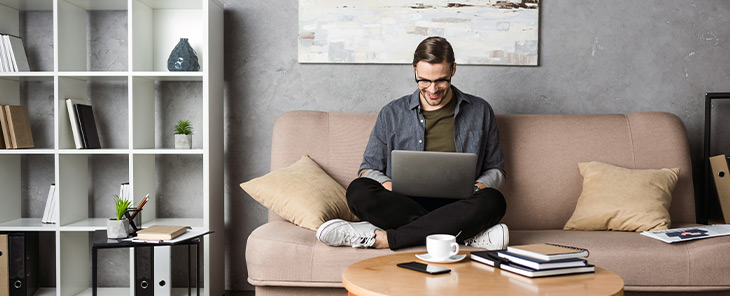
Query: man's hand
388,185
480,185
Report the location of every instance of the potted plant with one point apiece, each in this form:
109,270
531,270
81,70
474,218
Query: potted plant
118,227
183,135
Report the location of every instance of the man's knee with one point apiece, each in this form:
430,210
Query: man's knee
358,190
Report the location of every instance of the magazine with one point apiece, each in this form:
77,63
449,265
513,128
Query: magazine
689,233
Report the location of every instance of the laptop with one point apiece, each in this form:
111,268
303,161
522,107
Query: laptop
433,174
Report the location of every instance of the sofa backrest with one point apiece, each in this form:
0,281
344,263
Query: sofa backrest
542,153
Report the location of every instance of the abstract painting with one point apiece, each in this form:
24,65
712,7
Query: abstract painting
388,31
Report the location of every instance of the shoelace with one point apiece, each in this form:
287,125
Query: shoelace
357,240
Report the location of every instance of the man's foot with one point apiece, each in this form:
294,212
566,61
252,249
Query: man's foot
492,239
338,232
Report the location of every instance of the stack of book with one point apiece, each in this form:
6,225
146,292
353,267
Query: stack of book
15,132
12,54
537,260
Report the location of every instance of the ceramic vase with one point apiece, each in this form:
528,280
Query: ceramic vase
117,228
183,141
183,57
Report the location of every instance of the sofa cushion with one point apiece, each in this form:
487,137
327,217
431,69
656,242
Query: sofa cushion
302,193
294,257
616,198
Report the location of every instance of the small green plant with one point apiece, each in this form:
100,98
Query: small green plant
121,206
183,127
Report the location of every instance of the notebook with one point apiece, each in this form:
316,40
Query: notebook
161,232
433,174
547,251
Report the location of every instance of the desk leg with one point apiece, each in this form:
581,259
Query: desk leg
93,271
190,273
197,269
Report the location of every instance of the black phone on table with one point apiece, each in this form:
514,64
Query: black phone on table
425,268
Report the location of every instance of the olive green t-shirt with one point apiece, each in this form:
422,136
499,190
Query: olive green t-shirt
440,128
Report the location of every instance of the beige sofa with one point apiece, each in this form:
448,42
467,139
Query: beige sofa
543,184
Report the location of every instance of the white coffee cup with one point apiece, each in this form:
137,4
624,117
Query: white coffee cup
441,246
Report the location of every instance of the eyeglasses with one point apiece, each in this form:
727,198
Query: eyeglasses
424,83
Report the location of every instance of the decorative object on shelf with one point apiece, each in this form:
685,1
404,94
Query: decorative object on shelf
183,57
183,135
118,228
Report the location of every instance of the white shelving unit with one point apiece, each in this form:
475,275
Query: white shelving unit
153,29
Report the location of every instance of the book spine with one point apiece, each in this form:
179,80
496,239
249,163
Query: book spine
4,254
74,124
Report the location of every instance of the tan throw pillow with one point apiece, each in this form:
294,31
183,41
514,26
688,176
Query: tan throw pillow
302,193
616,198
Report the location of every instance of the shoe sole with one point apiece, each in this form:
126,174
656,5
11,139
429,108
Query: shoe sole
326,225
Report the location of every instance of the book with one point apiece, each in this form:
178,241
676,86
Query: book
722,183
528,272
74,123
492,258
4,254
688,233
161,232
87,126
4,65
4,124
547,251
538,264
19,126
17,53
49,201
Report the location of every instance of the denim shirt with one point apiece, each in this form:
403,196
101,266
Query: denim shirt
401,126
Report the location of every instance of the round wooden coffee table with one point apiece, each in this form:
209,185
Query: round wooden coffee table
381,276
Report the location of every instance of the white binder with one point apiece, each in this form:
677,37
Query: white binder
162,274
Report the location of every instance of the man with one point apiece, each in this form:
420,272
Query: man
436,117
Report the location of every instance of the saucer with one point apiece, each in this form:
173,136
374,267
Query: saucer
456,258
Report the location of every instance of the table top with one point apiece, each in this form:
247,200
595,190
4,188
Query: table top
381,276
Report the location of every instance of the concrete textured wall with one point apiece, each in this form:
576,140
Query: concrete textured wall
595,57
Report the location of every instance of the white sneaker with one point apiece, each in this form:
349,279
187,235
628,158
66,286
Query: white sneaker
493,239
338,232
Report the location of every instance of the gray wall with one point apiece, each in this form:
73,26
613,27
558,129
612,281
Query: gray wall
595,57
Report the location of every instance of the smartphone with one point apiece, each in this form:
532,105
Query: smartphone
425,268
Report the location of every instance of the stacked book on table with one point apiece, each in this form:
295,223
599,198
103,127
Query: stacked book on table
537,260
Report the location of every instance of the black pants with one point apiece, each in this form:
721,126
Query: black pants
408,220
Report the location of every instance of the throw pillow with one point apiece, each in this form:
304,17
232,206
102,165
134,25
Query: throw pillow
616,198
302,193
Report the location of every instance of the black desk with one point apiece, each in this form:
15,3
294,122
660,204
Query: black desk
100,241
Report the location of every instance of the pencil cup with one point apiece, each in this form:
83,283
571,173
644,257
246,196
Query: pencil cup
135,223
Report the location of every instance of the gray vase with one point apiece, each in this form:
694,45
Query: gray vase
183,57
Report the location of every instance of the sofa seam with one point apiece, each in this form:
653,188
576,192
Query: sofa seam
631,140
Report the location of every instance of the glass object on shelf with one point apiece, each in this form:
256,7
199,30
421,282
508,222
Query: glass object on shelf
183,57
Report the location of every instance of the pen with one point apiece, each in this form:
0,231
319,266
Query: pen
139,207
147,241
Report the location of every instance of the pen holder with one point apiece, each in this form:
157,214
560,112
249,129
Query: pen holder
135,224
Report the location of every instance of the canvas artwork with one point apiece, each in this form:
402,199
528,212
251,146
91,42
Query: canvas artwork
487,32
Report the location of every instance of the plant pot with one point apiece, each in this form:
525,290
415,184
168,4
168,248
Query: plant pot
117,228
183,141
